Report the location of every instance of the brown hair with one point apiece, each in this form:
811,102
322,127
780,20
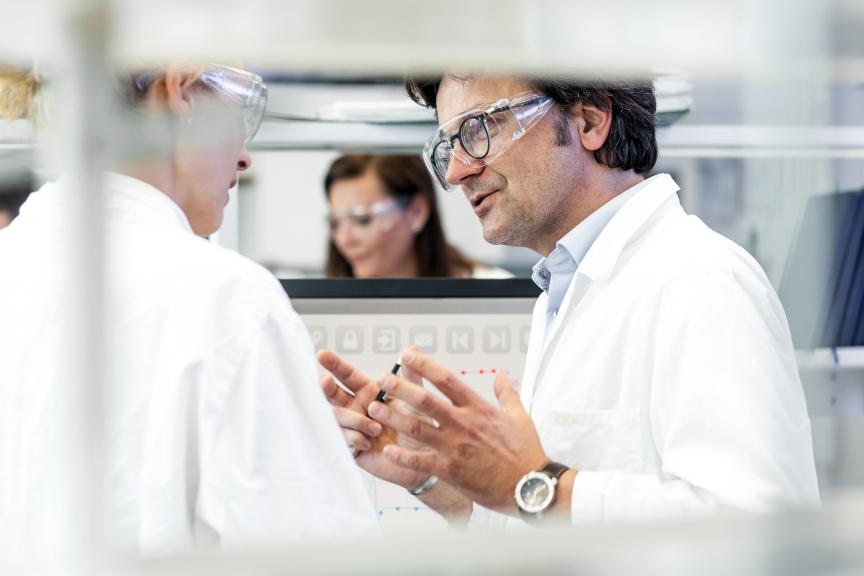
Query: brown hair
632,142
404,177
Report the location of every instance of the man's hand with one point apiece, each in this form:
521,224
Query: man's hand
370,438
479,449
367,436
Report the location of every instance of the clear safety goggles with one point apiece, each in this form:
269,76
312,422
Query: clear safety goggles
483,133
362,217
244,88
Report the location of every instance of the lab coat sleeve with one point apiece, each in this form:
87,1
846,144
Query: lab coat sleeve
276,465
726,409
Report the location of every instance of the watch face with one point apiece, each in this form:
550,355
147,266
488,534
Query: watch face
535,493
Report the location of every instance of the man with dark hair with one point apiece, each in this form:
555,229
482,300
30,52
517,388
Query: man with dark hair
660,377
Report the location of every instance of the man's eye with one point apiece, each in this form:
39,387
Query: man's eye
364,220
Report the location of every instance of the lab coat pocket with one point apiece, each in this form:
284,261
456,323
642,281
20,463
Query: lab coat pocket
594,439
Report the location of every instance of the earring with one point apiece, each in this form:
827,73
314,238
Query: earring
415,227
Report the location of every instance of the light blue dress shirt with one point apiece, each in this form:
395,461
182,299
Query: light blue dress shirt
554,273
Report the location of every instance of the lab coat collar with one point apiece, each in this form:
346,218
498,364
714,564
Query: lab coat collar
124,196
129,194
598,264
603,254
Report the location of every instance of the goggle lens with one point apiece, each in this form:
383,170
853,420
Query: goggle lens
474,137
483,134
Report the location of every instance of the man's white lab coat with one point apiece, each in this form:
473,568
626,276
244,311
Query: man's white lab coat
218,429
668,378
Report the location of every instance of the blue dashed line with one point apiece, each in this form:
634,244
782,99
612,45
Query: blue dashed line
381,511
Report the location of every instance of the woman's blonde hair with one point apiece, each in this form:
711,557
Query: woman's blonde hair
18,92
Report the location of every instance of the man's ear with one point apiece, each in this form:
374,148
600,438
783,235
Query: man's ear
593,125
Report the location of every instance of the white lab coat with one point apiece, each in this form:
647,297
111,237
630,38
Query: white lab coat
668,378
218,430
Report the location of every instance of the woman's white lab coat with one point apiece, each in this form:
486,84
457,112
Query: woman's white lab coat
218,430
668,378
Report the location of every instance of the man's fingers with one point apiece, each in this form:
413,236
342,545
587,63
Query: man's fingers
356,439
364,388
457,391
507,395
411,426
410,374
350,419
420,461
333,392
347,374
419,399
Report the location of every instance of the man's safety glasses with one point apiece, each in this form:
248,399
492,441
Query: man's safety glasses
361,217
483,133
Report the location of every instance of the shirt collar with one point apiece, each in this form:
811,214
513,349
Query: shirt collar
657,195
572,247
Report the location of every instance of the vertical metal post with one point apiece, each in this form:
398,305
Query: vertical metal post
789,86
84,110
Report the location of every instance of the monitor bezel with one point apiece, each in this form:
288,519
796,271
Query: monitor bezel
331,288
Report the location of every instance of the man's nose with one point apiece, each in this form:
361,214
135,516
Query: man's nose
462,166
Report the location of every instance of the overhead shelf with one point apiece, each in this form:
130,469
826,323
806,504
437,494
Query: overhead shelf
678,140
314,114
319,113
762,141
15,135
837,359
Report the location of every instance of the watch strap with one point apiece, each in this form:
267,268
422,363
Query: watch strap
554,470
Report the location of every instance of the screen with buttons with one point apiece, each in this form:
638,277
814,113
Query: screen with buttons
475,328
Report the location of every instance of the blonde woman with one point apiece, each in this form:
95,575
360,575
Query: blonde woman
218,431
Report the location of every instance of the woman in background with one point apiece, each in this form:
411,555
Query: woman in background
384,222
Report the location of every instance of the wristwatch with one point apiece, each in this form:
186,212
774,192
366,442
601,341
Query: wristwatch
536,491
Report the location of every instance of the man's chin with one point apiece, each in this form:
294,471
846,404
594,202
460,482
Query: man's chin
494,235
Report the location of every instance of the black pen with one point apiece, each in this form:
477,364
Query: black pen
382,395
